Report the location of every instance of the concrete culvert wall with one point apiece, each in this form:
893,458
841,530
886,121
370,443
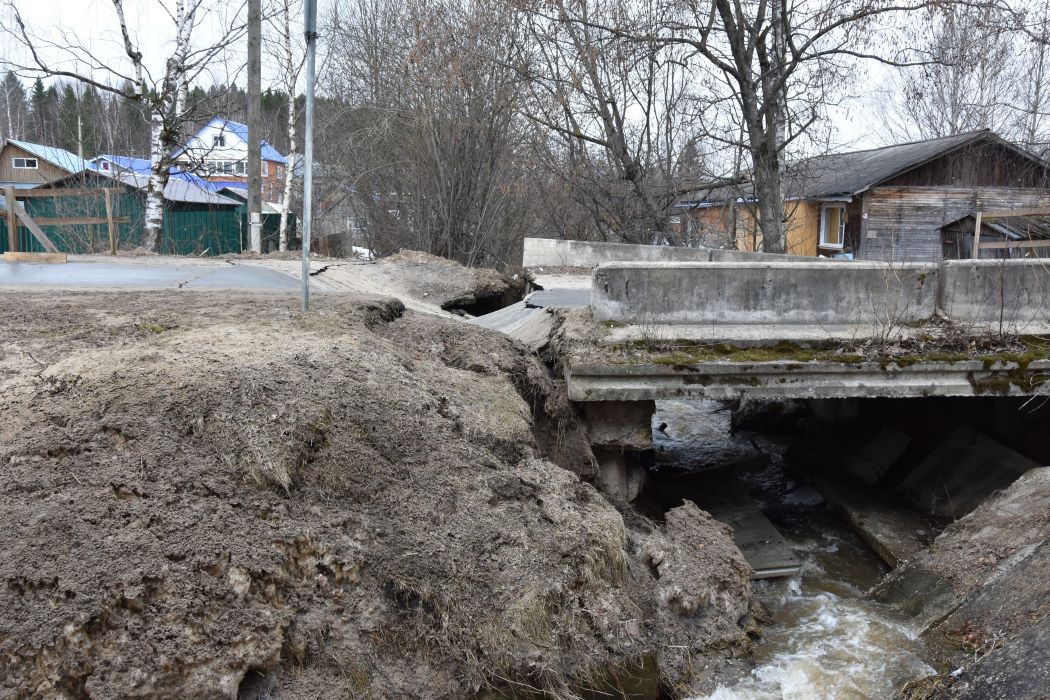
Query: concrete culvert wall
766,293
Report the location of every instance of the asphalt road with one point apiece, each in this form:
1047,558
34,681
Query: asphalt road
96,275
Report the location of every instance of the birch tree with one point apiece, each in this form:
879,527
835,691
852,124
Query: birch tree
292,57
64,56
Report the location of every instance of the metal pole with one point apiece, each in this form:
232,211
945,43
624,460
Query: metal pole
254,125
308,146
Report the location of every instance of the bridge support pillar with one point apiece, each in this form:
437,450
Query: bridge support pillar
617,429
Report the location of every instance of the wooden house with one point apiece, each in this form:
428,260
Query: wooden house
24,165
905,202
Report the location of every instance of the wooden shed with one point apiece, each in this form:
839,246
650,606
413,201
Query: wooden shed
890,203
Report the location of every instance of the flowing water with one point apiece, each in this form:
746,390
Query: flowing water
826,639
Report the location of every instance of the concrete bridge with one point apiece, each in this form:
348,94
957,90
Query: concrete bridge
674,323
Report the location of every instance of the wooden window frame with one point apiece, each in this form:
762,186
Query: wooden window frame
218,140
25,163
824,207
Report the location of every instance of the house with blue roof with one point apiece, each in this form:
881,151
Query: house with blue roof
218,152
25,165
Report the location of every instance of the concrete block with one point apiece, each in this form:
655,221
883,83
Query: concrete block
621,424
963,472
875,457
546,252
882,294
896,534
1017,291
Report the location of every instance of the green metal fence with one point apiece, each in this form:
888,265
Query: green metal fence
189,229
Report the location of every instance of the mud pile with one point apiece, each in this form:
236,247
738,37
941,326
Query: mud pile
207,495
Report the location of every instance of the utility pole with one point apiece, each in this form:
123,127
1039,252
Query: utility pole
310,23
254,124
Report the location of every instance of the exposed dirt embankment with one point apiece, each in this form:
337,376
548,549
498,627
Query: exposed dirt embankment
451,285
206,496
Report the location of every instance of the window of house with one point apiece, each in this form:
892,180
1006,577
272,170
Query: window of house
242,167
266,168
104,166
833,220
24,163
218,141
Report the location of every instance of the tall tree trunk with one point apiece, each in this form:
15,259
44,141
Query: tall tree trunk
158,178
291,74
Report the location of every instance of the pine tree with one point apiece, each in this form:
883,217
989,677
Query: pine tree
68,112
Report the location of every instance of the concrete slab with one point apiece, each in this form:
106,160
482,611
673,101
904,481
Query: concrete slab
798,380
762,545
771,334
963,472
871,462
895,533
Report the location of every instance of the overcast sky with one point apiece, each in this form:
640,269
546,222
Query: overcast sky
93,24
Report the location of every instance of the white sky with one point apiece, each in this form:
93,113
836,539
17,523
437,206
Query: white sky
93,24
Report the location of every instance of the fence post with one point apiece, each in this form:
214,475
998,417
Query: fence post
12,220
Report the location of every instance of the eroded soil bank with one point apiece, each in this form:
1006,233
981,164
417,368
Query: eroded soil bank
209,495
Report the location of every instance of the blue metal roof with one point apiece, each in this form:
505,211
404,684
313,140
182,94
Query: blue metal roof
268,152
142,166
56,156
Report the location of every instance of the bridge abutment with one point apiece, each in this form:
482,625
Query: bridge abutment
618,430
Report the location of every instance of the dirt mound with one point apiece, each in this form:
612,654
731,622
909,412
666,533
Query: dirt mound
451,285
213,496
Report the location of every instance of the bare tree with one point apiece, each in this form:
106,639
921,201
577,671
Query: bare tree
422,138
968,81
778,60
165,97
619,114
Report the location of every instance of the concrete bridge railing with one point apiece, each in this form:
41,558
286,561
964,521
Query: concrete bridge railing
769,293
547,252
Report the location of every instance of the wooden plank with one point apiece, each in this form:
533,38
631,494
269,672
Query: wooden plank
35,257
12,220
1010,213
59,192
38,233
79,220
111,222
1009,245
977,235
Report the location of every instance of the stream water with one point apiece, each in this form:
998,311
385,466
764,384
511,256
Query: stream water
826,639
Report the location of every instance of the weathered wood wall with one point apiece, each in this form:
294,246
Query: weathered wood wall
985,164
904,223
